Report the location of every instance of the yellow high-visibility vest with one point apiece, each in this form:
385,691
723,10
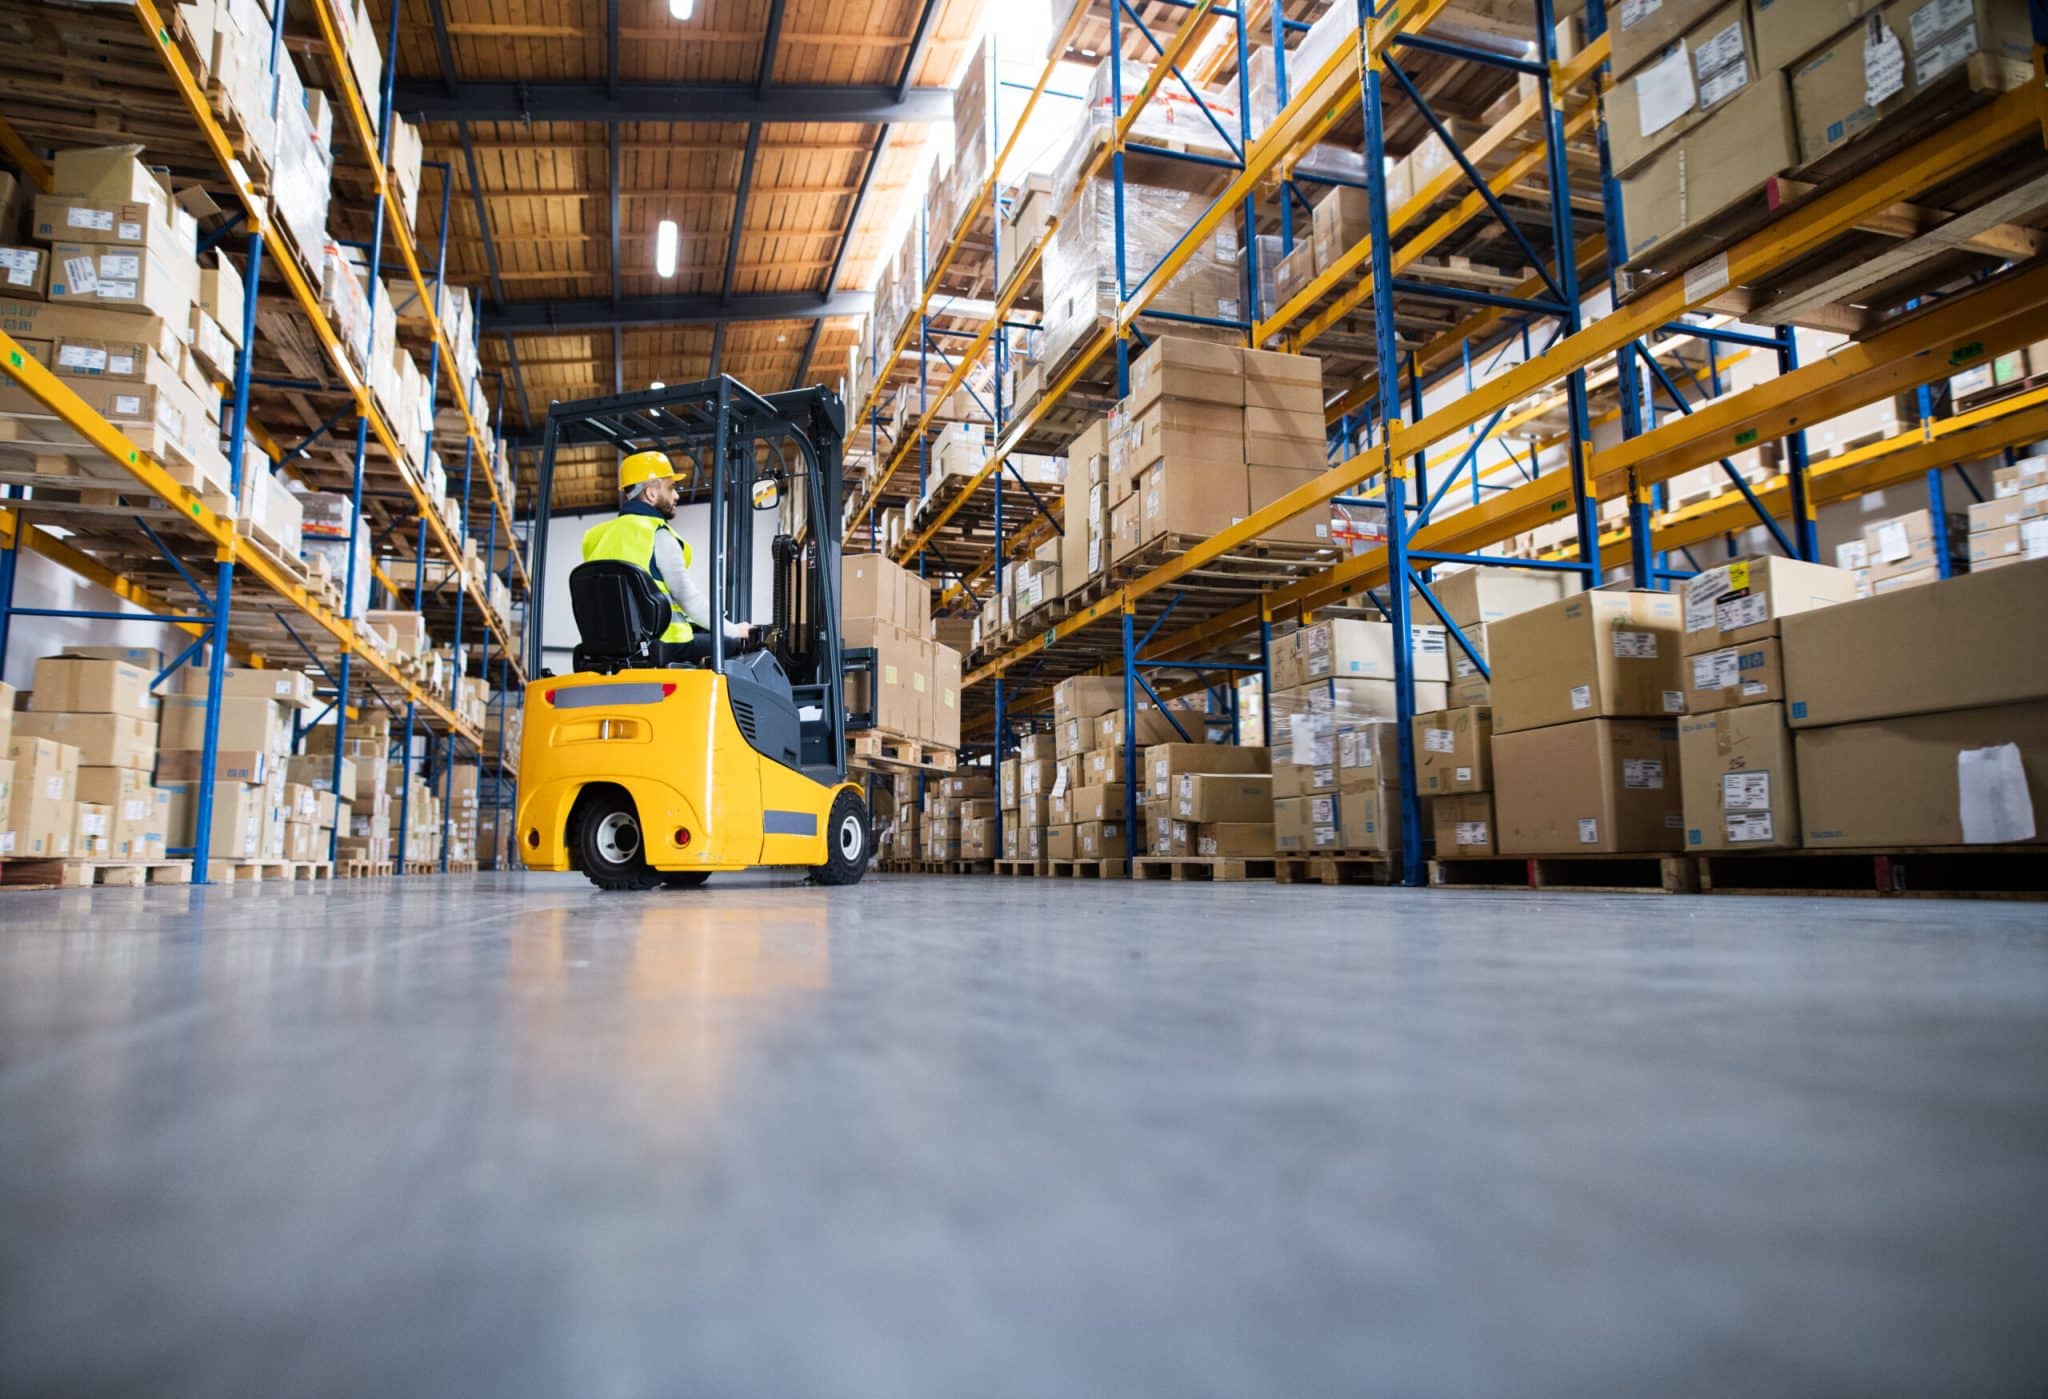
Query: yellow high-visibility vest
630,539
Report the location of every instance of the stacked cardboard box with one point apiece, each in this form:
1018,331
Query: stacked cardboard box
39,786
101,713
1740,786
1038,772
367,797
253,804
2013,524
1176,448
1335,763
916,683
1920,717
1283,438
960,817
1454,774
1474,599
906,830
1210,800
1585,749
1905,552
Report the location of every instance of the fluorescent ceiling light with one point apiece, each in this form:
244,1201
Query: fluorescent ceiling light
665,243
657,384
682,9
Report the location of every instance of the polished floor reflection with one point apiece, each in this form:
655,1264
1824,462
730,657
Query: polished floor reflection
507,1136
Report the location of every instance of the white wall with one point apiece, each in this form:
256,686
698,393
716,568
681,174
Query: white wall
692,522
40,583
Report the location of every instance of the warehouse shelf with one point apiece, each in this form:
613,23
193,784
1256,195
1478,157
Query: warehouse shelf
1846,255
102,524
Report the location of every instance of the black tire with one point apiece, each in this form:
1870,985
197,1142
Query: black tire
610,848
847,842
683,879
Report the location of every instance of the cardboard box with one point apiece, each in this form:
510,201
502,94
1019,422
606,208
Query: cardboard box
149,278
1351,648
1463,824
41,792
317,771
1126,528
1368,755
1593,655
1965,777
89,822
1599,786
1454,751
1189,497
245,766
73,685
870,586
1165,763
1296,827
1469,685
240,813
1711,168
24,272
1101,840
291,688
244,722
1678,89
129,801
1060,842
102,740
1104,802
1368,819
1788,30
1233,839
1743,600
1276,380
1752,673
1343,217
1907,544
1295,270
1180,431
1267,484
1174,366
1961,644
1739,783
1474,596
1641,32
1202,796
1840,95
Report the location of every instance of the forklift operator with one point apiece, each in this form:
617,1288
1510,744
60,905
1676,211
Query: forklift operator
641,537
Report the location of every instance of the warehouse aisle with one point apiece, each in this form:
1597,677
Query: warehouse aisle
505,1136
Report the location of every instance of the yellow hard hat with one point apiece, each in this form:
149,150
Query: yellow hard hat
645,466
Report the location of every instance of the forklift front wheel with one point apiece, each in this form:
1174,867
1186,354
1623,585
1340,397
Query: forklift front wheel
610,845
684,879
846,839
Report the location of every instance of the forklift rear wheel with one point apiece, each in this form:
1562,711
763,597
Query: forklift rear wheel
609,845
846,839
684,879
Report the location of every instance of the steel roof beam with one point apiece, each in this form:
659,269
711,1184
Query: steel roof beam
429,100
601,313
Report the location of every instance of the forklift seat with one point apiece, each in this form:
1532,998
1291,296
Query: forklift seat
620,616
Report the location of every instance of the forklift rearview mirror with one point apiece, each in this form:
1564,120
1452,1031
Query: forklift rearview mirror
767,494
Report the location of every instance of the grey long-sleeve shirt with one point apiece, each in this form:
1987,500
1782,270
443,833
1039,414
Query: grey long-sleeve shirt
683,590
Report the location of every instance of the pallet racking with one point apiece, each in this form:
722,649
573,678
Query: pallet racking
1875,252
133,78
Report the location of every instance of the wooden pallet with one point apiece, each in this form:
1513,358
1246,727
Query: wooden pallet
422,867
1021,867
256,871
461,867
86,874
886,752
1338,867
1909,872
366,869
1578,874
952,867
1206,869
1085,869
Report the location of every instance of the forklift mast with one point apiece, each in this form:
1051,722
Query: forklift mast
727,441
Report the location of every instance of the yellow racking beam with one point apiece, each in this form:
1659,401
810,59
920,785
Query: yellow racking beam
395,222
25,160
1800,230
258,210
229,547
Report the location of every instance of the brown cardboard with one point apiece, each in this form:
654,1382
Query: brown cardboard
239,765
1234,839
1599,786
73,685
1718,60
45,783
1463,824
1959,644
1060,842
1725,159
1153,725
102,740
1752,673
1342,218
59,322
946,671
245,722
1469,684
1295,270
1098,803
1906,544
1368,755
239,815
291,688
1739,785
148,278
130,804
1222,797
1898,782
89,822
1831,88
1640,32
1100,840
1789,30
1191,497
1593,655
24,272
1175,366
1351,648
1743,600
869,587
1454,751
1126,528
1166,762
1296,829
1369,819
1181,430
1473,596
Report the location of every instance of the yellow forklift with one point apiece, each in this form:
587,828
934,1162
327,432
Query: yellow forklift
647,770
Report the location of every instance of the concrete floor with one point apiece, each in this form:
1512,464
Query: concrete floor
503,1136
